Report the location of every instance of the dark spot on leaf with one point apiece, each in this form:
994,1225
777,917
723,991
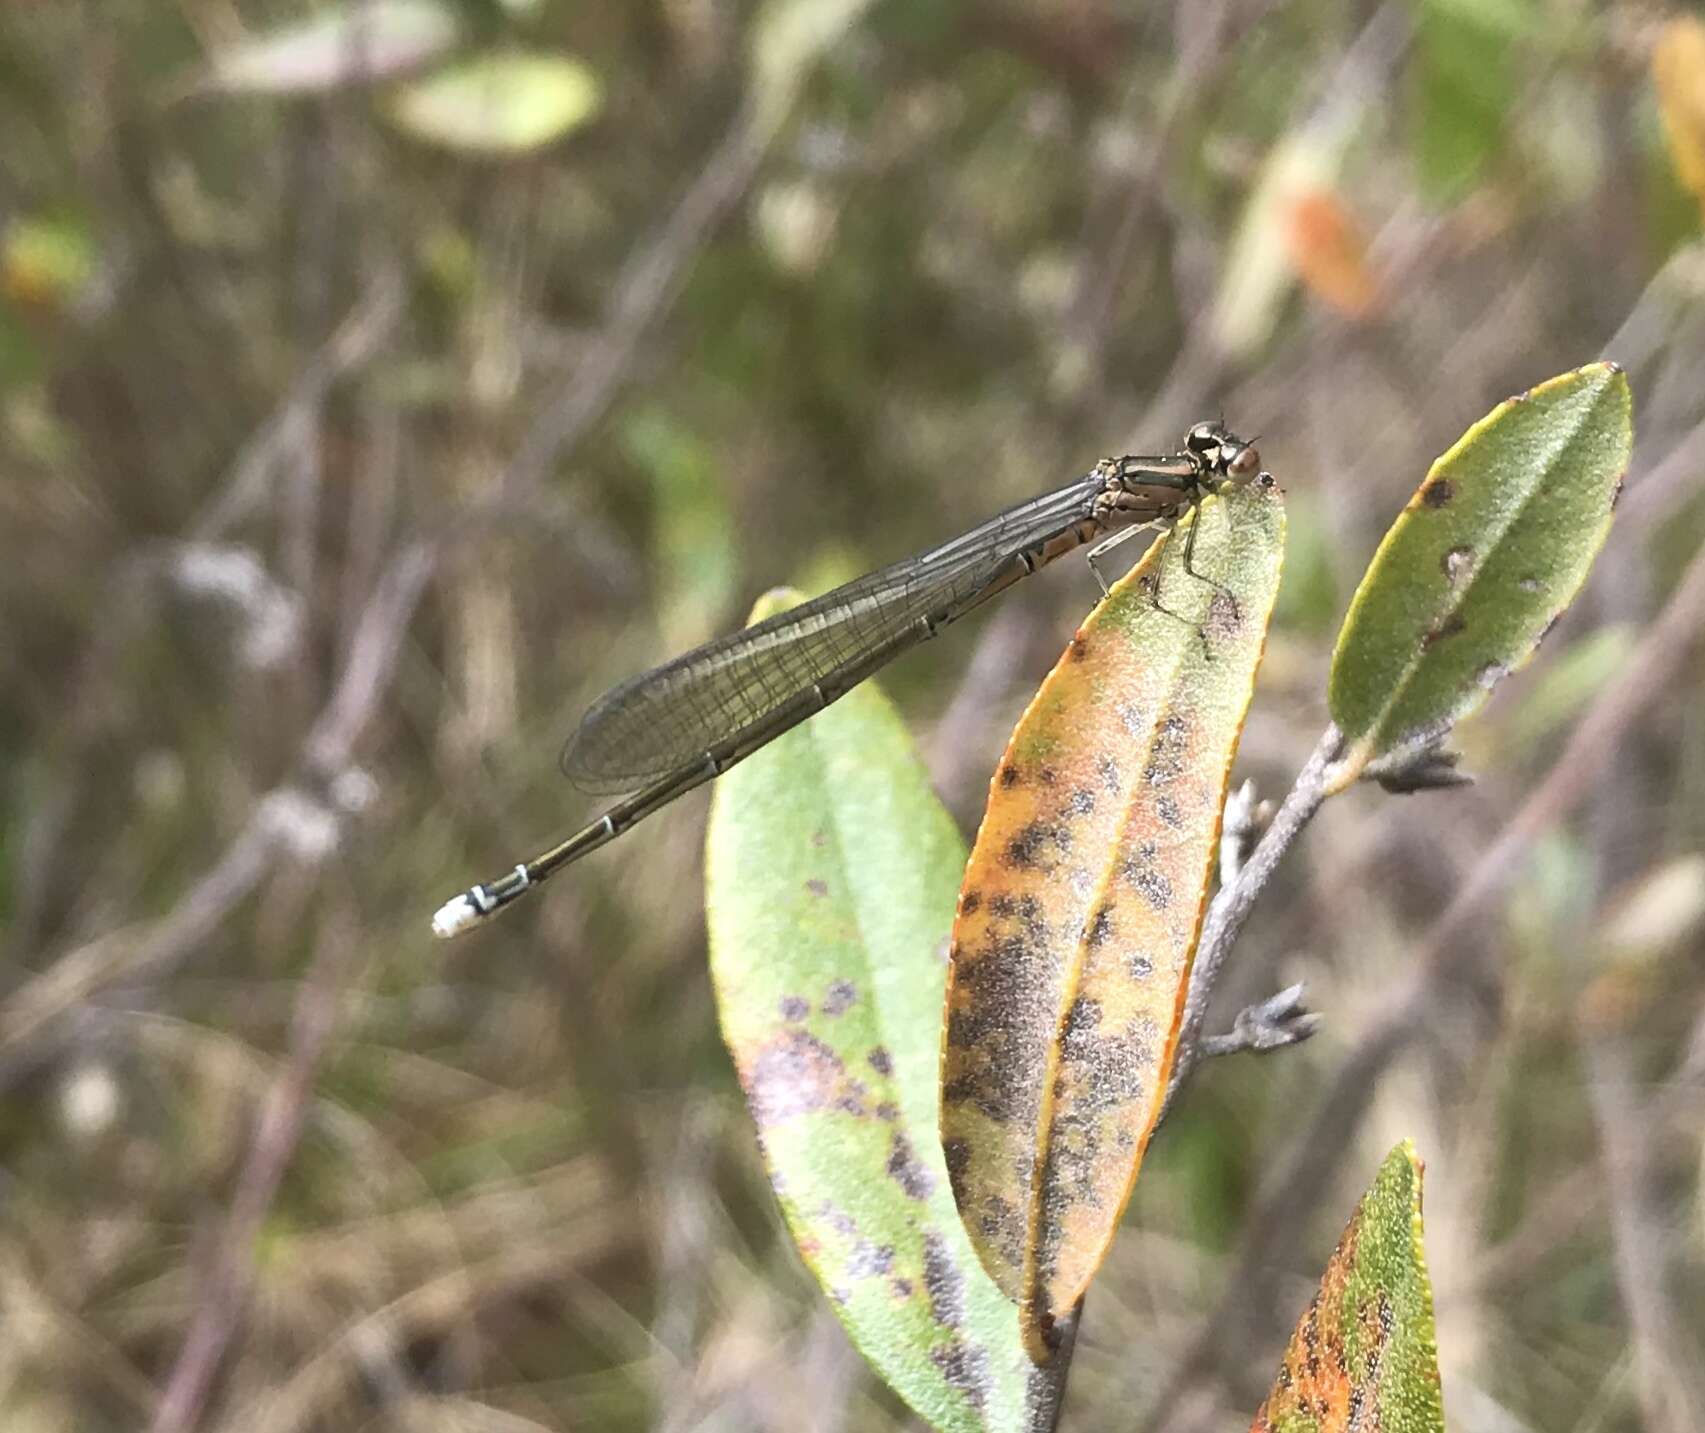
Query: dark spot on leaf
881,1061
1530,584
1027,910
797,1074
1448,627
1438,492
1224,617
1166,754
1112,1067
1167,809
1100,926
837,1219
907,1170
1048,775
1151,884
943,1282
966,1367
1140,966
957,1153
817,887
794,1007
1079,648
1009,775
1002,1227
842,997
868,1259
1108,770
818,837
1025,849
1081,802
1616,492
1455,563
888,1112
901,1287
1130,718
969,902
1082,1018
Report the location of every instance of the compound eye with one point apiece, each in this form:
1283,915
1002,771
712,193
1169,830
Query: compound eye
1245,464
1203,438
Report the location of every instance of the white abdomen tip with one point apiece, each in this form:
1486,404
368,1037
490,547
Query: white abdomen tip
454,917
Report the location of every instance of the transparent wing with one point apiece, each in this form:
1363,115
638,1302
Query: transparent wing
667,718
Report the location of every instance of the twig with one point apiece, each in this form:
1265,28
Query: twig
1269,1024
1045,1395
1231,907
645,288
225,1289
1668,1395
1301,1180
290,818
356,340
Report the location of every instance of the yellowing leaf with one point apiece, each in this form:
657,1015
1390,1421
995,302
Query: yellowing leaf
44,263
1082,902
1363,1354
1259,272
1678,71
508,102
1330,254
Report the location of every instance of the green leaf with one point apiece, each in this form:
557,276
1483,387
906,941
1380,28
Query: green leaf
694,543
350,44
1465,80
1489,552
830,876
507,102
1083,900
1363,1354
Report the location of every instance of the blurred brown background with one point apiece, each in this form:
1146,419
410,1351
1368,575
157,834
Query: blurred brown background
372,398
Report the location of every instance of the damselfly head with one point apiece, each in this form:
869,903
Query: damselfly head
1224,456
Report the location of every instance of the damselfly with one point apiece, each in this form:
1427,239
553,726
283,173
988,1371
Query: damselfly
678,725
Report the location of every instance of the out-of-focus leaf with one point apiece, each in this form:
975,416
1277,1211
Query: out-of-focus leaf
1260,271
1329,253
788,39
1678,71
1363,1355
508,102
45,262
795,221
1489,552
354,43
694,528
1310,600
1465,81
1083,899
1657,910
830,874
1572,678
